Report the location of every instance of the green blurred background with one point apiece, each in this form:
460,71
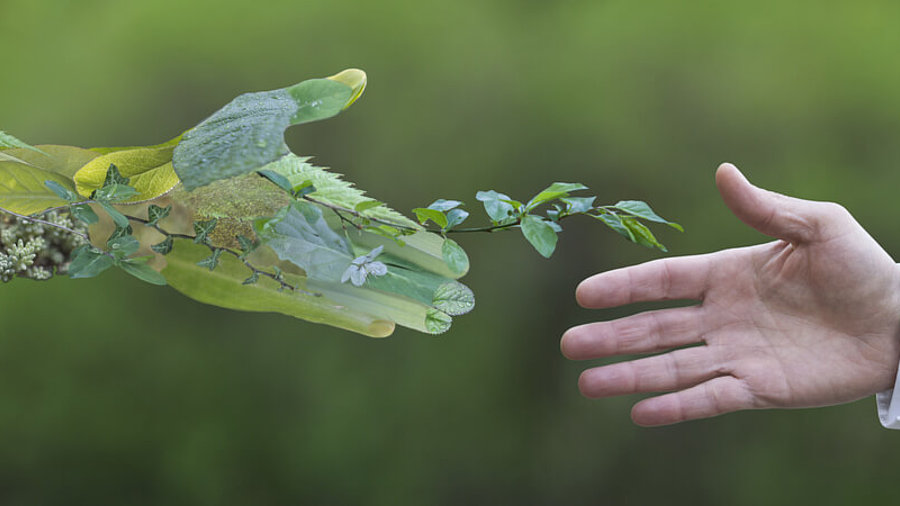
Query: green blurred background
117,392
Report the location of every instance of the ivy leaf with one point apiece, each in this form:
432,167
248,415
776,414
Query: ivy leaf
123,246
88,262
202,229
455,257
212,261
248,132
252,280
540,234
496,205
84,213
120,232
113,177
155,214
164,247
247,245
423,214
553,192
138,268
641,209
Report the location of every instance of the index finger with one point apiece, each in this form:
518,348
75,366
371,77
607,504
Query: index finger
665,279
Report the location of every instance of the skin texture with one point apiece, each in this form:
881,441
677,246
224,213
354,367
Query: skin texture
810,319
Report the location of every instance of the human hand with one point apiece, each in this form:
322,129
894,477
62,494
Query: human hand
811,319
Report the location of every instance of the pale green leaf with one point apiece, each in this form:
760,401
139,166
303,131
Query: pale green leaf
23,189
540,234
455,257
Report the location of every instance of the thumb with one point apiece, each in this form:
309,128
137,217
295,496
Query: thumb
779,216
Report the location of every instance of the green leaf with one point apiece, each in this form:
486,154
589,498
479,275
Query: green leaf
62,160
496,205
641,209
155,214
247,245
437,322
444,205
456,217
212,261
164,247
424,214
61,191
114,193
8,141
552,192
455,257
576,205
304,238
148,170
84,213
23,189
138,268
642,234
614,222
366,205
202,229
252,280
223,287
454,298
88,262
248,132
540,234
118,218
276,178
121,231
123,246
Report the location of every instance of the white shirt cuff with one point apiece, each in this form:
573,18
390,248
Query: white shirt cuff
889,406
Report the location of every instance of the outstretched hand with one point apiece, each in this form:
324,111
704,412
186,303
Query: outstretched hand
811,319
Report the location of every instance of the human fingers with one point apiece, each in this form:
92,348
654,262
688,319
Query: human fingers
671,371
719,395
641,333
779,216
666,279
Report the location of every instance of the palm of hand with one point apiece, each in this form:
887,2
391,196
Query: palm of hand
806,321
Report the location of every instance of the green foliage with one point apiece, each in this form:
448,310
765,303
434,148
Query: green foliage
8,141
254,220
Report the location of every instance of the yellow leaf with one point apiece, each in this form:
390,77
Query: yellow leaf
149,169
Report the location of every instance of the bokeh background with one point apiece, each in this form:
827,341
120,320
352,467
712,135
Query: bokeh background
117,392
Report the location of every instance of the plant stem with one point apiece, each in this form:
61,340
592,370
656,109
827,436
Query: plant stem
47,223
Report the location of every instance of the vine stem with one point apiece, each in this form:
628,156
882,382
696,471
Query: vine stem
274,277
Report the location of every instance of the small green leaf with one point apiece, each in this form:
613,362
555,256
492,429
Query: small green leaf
8,141
155,214
89,262
61,191
437,322
247,245
540,234
252,280
641,209
164,247
279,180
115,193
423,214
455,257
366,205
552,192
454,298
138,268
614,222
577,205
304,188
118,218
114,177
444,205
84,213
202,229
496,205
642,234
212,261
456,217
123,246
120,232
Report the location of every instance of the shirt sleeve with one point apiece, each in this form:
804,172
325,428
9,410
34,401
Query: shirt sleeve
889,406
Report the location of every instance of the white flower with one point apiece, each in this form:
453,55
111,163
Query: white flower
361,267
